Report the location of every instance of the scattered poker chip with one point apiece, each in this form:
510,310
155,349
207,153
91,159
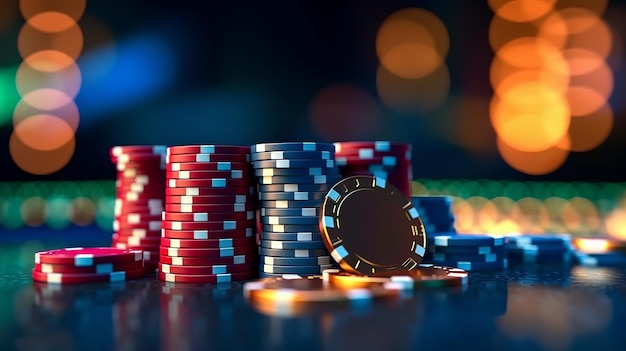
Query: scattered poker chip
298,236
296,261
292,155
190,208
205,278
308,270
292,245
288,204
357,217
100,268
292,196
316,179
289,228
116,151
208,149
207,166
209,261
228,184
293,164
297,220
208,243
212,158
378,146
467,240
290,172
207,270
303,212
600,259
450,257
477,266
87,256
208,199
293,253
270,188
207,234
467,250
208,216
206,253
289,290
423,276
233,174
68,278
598,245
293,146
209,225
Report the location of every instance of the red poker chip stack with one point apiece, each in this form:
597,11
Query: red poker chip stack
209,221
140,192
383,159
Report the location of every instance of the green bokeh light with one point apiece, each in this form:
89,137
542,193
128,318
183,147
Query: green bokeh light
58,211
11,215
9,97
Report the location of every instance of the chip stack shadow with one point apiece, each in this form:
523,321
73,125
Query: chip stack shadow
140,190
209,218
293,179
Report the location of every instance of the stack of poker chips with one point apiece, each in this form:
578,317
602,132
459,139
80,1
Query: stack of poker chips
436,214
599,252
293,179
541,249
209,218
382,159
470,252
78,265
140,190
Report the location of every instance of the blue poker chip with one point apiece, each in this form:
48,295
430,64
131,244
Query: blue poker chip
466,240
539,239
300,261
292,245
304,212
316,179
600,259
284,204
430,200
450,257
289,220
535,249
539,257
305,270
298,236
440,229
468,250
293,187
292,252
293,164
290,172
293,146
293,196
477,266
292,155
290,228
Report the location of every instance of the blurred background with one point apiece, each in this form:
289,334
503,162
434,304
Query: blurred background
514,107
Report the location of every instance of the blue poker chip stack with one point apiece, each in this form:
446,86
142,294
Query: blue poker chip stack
540,248
293,179
471,252
436,214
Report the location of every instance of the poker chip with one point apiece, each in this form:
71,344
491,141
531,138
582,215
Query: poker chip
206,166
207,149
292,196
205,278
467,240
304,212
78,278
563,256
208,243
294,163
191,208
138,233
598,245
288,204
388,161
292,155
297,220
202,158
297,261
289,228
292,245
209,225
99,268
539,249
207,270
292,146
600,259
312,235
127,149
468,250
207,252
292,253
87,256
291,269
209,199
207,234
360,211
233,186
312,171
232,174
377,146
539,240
208,216
423,276
309,187
149,226
198,191
209,261
316,179
435,212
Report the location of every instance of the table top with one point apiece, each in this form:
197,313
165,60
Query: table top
526,307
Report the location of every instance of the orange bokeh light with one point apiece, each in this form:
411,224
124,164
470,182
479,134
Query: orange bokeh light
584,100
69,113
615,224
31,40
37,161
72,8
49,61
533,163
47,99
411,60
530,52
43,132
521,10
67,80
589,131
51,21
582,61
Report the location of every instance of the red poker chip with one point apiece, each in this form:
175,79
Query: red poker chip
139,198
145,247
199,191
208,191
68,278
218,252
133,149
153,167
87,256
220,183
141,189
148,226
207,166
145,211
99,268
137,241
210,261
139,233
203,279
206,158
136,218
234,174
209,199
208,270
190,208
380,146
207,234
139,157
208,149
208,216
210,225
208,243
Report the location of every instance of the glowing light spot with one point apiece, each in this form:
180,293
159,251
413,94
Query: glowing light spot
521,10
597,39
600,80
30,40
615,224
589,131
49,61
530,52
68,113
343,111
67,80
582,61
37,161
47,99
51,21
533,163
72,8
555,81
33,211
584,100
502,31
411,60
82,211
413,25
44,132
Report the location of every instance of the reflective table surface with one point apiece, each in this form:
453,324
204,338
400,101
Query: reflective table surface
526,307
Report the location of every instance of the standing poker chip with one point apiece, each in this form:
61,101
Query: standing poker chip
208,216
207,270
356,220
292,196
289,204
313,235
303,212
88,256
207,243
209,225
233,174
207,252
312,171
218,183
209,199
208,261
293,252
100,268
292,245
296,220
201,234
294,163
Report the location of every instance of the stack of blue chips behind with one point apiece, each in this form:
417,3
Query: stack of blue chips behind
436,214
471,252
541,248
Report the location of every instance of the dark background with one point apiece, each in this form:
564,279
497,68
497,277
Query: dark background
242,72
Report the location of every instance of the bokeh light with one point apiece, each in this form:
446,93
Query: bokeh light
521,10
535,163
66,79
589,131
82,211
37,161
51,21
33,211
72,8
31,40
44,132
